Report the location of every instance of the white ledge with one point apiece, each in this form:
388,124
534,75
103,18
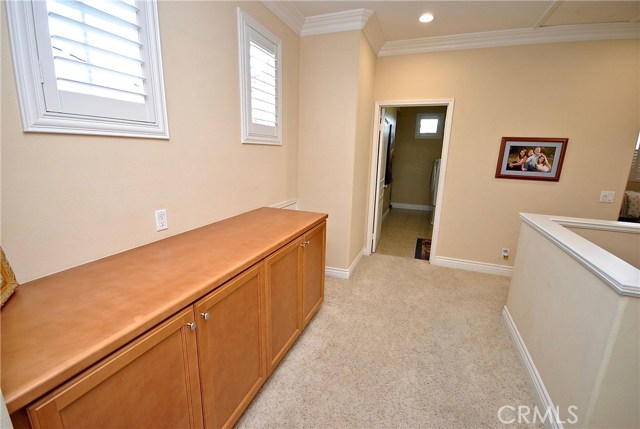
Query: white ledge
620,275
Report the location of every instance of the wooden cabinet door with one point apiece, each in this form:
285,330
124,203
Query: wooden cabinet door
313,255
284,301
231,347
151,383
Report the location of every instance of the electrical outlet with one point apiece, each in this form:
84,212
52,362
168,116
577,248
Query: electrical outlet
161,220
607,196
505,253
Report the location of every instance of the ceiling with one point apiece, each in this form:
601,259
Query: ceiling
398,20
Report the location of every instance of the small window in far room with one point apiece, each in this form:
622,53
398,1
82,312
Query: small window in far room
429,125
260,82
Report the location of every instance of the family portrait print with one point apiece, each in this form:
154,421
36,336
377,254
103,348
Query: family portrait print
531,158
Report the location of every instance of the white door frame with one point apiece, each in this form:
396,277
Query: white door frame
443,164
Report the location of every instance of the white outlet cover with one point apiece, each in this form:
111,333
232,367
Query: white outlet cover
161,220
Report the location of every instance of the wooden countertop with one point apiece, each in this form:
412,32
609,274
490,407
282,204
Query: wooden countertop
55,327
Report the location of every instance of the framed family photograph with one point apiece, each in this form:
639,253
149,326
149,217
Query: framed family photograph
531,158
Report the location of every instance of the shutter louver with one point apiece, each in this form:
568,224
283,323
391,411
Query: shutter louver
96,48
263,85
260,82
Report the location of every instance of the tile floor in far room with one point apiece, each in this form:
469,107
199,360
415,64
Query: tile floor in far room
400,230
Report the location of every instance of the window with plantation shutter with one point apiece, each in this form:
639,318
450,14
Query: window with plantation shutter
260,70
89,66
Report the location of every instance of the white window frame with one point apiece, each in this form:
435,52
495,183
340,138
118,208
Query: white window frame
255,133
30,76
430,136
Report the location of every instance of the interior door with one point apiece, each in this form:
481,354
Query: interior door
383,141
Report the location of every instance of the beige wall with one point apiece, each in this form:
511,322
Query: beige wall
582,336
329,72
624,245
414,158
363,151
70,199
619,393
585,91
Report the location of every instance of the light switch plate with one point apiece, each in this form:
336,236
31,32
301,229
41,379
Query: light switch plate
607,196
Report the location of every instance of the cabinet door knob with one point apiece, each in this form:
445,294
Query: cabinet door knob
205,316
192,326
306,243
303,244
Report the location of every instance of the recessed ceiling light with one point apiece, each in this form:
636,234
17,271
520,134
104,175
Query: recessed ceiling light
427,17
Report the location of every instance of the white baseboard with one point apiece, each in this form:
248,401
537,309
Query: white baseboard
421,207
480,267
339,273
289,204
344,273
540,391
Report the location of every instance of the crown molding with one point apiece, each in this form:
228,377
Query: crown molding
525,36
373,33
288,13
336,22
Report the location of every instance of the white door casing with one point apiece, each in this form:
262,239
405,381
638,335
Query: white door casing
374,182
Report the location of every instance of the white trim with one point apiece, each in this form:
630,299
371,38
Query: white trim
338,273
251,132
541,393
449,102
521,36
288,13
420,207
620,275
342,273
289,204
373,33
336,22
352,20
479,267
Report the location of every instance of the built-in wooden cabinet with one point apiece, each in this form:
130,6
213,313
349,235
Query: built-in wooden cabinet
313,272
284,301
152,383
231,347
186,356
295,290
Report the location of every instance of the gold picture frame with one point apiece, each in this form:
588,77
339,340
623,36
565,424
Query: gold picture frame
8,283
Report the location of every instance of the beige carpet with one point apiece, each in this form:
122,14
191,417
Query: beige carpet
402,344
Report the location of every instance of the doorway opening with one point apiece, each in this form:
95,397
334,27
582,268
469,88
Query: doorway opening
407,176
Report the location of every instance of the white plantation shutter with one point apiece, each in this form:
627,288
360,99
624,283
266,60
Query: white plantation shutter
264,82
98,65
96,58
260,68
